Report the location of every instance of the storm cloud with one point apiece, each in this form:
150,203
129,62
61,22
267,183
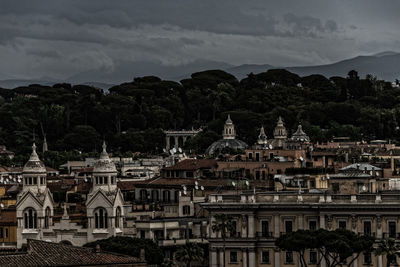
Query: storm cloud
63,38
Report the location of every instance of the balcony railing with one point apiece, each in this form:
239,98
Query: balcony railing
264,235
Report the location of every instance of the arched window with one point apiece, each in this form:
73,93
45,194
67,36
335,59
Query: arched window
154,195
143,194
118,217
166,196
30,219
47,218
100,218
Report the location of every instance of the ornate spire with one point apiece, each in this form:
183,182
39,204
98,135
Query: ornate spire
280,130
34,156
262,137
228,120
34,165
104,154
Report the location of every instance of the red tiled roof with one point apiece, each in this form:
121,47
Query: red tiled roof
193,164
41,253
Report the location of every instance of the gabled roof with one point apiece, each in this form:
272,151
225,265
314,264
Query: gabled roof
41,253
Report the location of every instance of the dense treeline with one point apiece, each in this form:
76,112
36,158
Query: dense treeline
131,115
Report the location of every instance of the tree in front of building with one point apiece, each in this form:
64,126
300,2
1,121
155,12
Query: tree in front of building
338,248
223,224
189,253
389,247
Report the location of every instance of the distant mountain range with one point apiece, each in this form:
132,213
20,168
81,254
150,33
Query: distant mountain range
385,65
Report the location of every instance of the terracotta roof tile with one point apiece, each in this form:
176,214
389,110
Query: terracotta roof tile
41,253
193,164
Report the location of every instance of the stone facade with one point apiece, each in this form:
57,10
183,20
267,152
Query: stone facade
35,206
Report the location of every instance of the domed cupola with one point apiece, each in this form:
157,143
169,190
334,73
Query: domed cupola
280,130
104,172
34,173
262,137
228,139
300,135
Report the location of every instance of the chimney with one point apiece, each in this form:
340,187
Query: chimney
142,255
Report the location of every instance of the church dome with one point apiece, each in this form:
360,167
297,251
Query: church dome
222,143
228,140
104,164
34,164
300,135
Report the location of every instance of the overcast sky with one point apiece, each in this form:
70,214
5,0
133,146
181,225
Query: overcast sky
57,39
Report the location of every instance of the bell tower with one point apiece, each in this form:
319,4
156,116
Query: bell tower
104,173
229,129
34,174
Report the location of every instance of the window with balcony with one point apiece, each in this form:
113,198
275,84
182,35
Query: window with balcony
392,229
288,226
265,228
367,227
367,258
265,256
233,257
313,257
312,225
342,225
289,257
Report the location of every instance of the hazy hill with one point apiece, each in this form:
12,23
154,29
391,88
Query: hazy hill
384,65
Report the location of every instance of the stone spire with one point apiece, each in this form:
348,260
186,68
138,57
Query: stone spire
104,172
229,129
262,137
34,165
280,130
34,173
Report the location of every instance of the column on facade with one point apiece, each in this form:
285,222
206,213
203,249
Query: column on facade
244,257
221,257
252,257
380,261
277,258
251,226
176,142
167,142
276,226
244,226
300,222
212,234
213,257
379,227
322,221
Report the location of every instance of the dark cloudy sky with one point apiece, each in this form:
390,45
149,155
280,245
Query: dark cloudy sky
56,38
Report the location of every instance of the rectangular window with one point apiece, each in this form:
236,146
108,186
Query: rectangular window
265,256
106,180
288,226
186,210
30,180
312,183
367,258
97,180
312,225
41,180
234,229
101,179
313,257
6,232
342,225
34,180
1,232
265,228
257,156
112,179
257,175
189,174
250,155
367,228
233,257
392,229
289,257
